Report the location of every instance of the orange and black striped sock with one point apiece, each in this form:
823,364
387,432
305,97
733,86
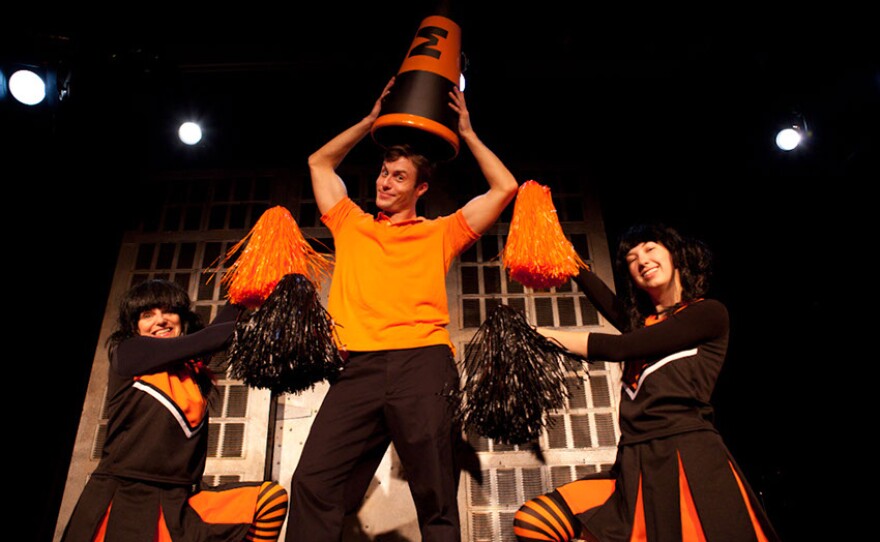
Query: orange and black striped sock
270,514
545,518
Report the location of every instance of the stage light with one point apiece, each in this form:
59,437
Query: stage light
190,133
788,139
464,63
27,87
792,132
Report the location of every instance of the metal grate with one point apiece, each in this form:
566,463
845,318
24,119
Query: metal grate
214,480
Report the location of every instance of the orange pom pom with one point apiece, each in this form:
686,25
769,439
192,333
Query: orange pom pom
537,254
275,247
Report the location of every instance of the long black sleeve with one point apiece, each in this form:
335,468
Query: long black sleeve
695,324
141,355
605,301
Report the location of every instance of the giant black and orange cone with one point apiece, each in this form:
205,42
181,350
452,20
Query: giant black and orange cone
416,111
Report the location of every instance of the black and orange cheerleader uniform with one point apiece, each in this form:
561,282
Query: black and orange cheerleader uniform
674,479
147,484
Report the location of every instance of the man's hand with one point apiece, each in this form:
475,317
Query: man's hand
377,107
459,105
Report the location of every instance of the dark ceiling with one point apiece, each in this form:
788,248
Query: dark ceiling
621,91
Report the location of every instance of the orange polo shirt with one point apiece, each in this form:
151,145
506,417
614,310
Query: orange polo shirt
389,282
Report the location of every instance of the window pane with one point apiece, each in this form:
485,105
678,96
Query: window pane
204,312
469,282
605,429
589,315
237,405
544,311
566,311
582,470
506,214
217,218
206,288
471,313
138,278
257,210
491,304
233,439
489,245
506,483
186,256
506,520
242,190
222,189
501,447
514,287
219,362
237,215
215,407
580,431
560,475
579,242
599,392
211,255
556,432
144,258
565,287
492,280
480,491
533,484
182,279
469,255
480,443
166,256
482,524
213,439
577,392
519,304
193,219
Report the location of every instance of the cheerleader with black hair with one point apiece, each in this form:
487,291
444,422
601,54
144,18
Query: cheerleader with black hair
147,486
674,479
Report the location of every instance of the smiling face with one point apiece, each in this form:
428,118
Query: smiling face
397,189
651,269
159,324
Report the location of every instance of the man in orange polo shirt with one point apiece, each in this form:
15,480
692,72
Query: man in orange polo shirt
388,299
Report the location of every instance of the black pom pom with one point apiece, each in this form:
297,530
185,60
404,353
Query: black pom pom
513,376
287,344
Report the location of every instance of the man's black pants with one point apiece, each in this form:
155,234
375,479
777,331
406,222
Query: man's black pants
381,397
